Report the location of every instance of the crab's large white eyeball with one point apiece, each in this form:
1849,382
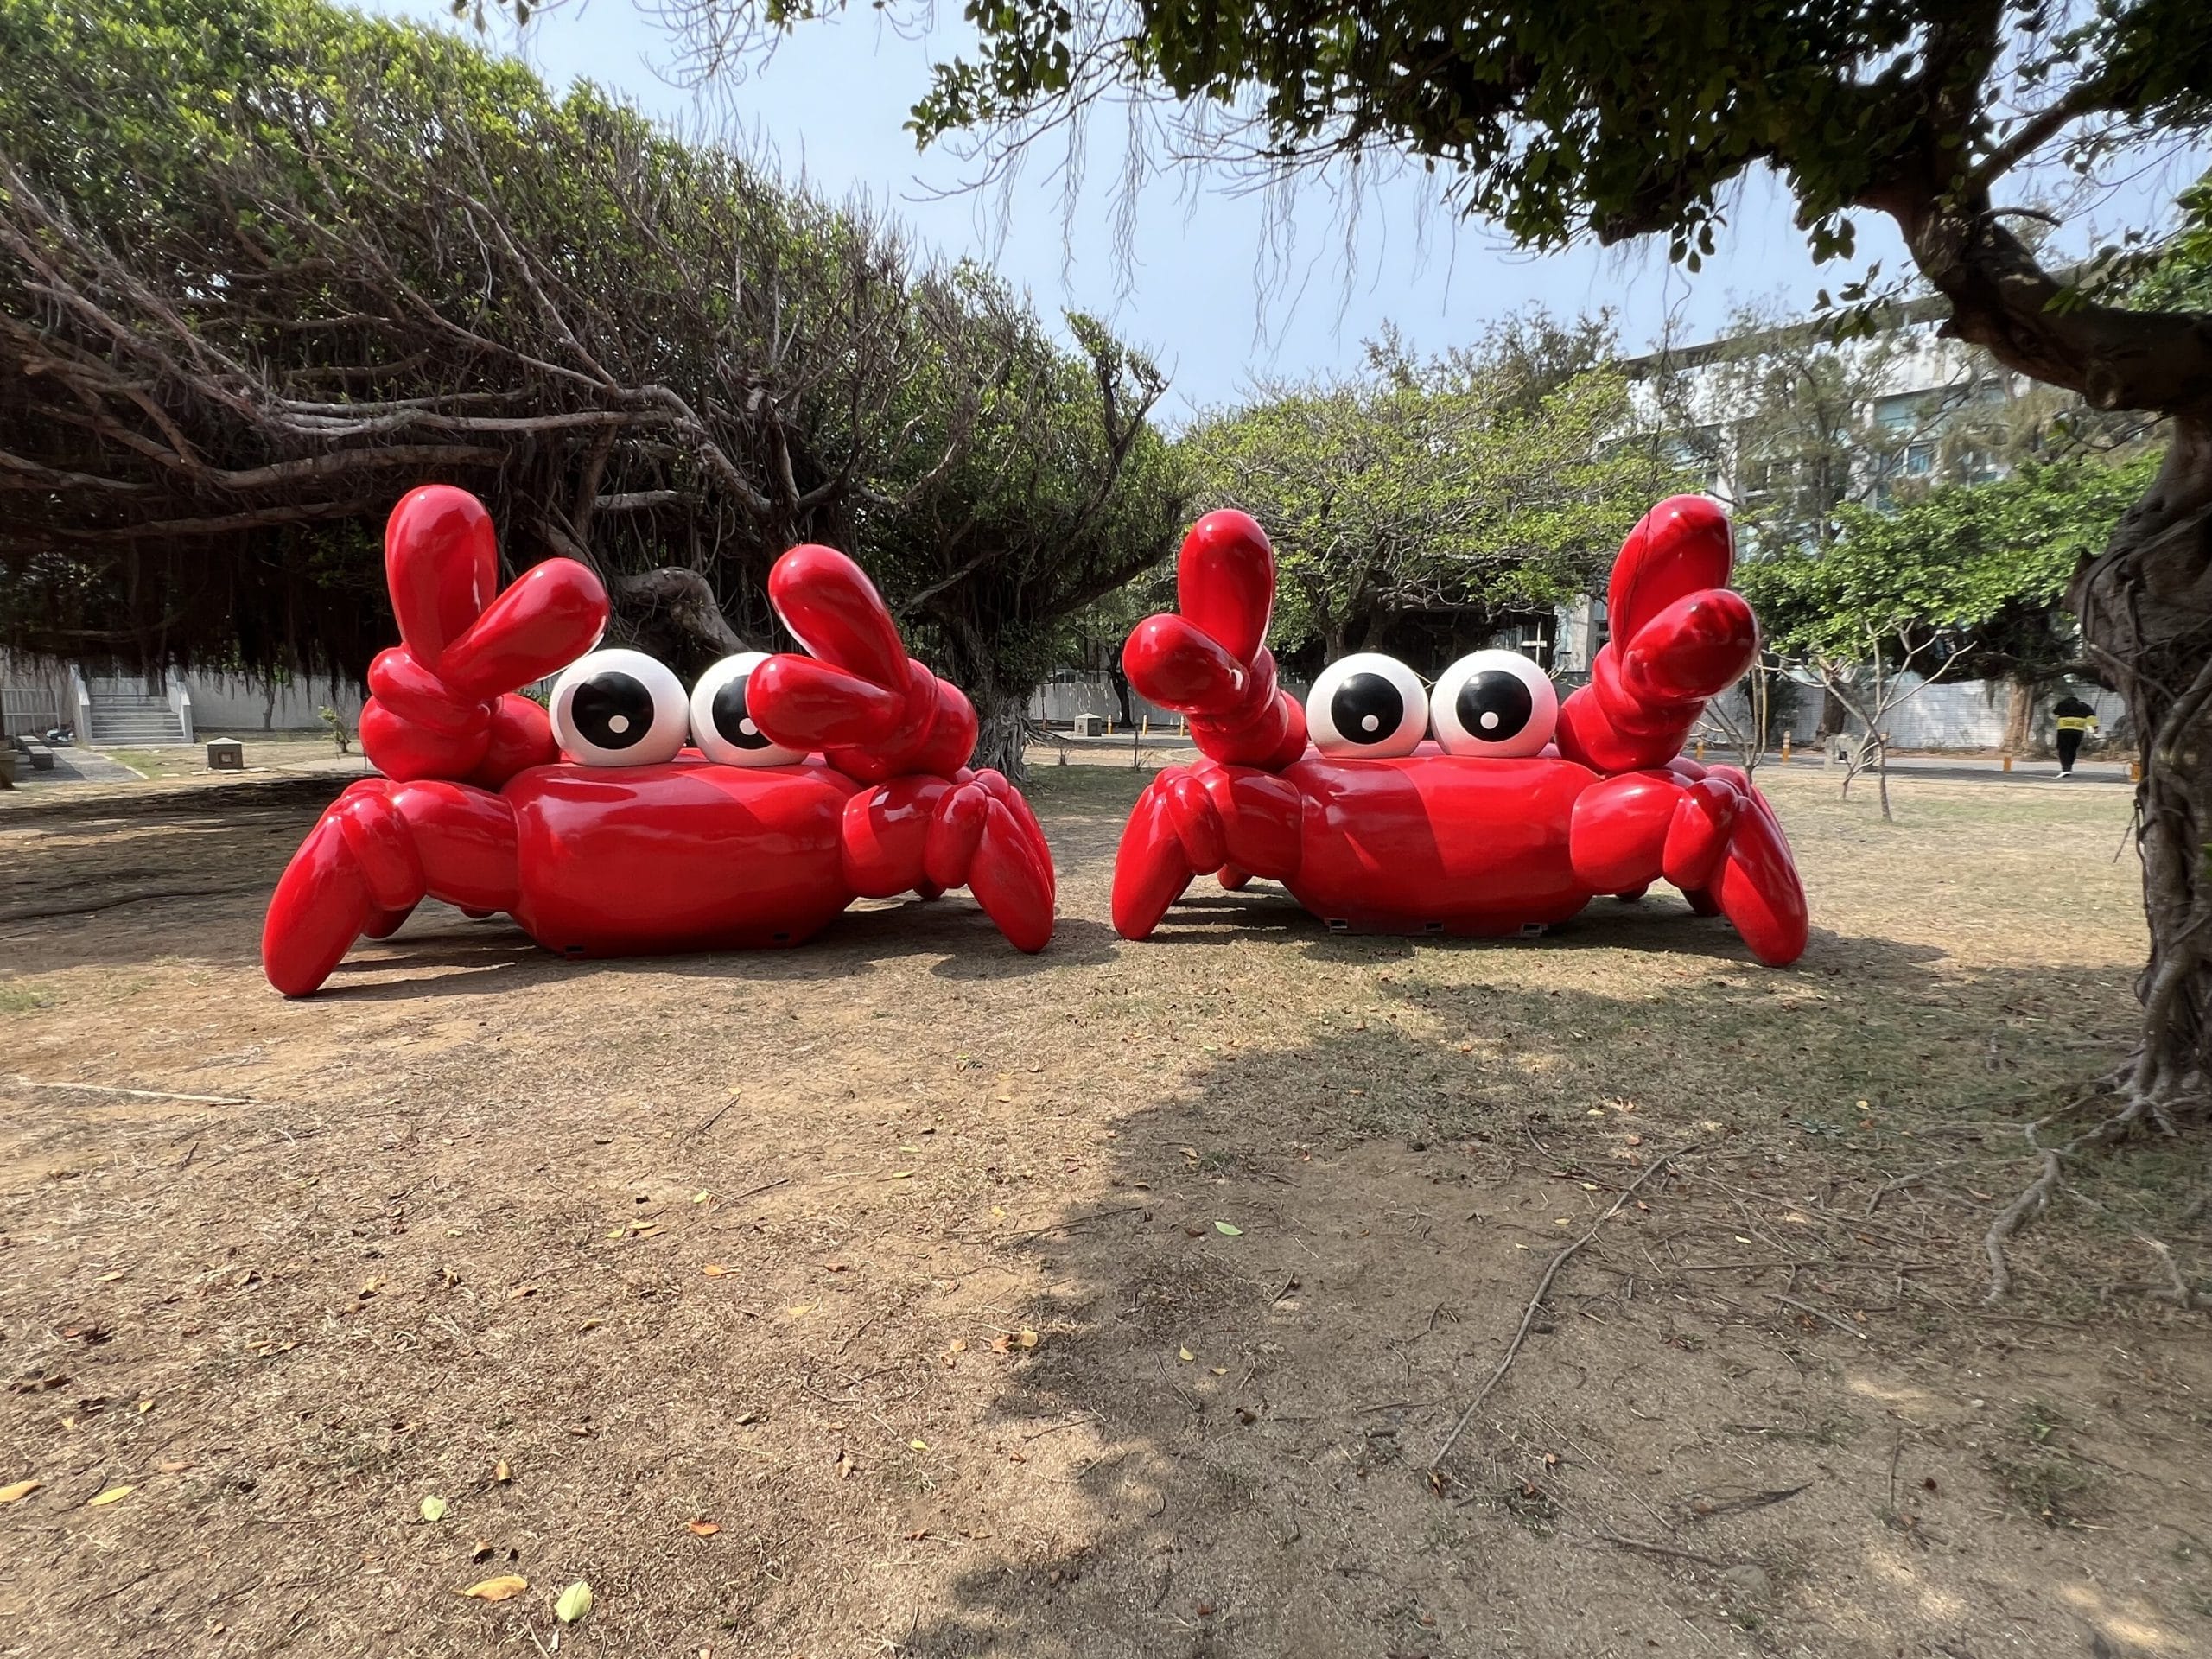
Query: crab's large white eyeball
1496,703
1367,705
618,709
722,724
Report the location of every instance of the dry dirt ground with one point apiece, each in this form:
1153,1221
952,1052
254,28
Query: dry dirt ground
899,1294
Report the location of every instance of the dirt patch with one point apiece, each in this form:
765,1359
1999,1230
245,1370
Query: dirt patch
881,1259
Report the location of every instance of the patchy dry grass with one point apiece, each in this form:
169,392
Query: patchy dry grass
264,751
761,1243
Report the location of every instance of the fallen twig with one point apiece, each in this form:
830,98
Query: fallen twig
22,1081
1749,1501
1669,1550
1821,1313
1543,1285
50,912
2030,1202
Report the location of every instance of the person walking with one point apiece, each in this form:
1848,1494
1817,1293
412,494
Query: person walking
2076,720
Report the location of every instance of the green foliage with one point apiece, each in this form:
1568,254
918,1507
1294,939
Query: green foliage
296,260
1596,115
2180,279
1460,489
1973,568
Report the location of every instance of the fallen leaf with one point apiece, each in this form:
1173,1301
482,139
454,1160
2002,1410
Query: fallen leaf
1228,1231
575,1603
501,1472
799,1310
918,1445
901,1175
1185,1355
714,1269
845,1465
113,1495
1028,1338
21,1490
434,1508
109,1278
699,1197
174,1466
499,1589
1221,1370
703,1528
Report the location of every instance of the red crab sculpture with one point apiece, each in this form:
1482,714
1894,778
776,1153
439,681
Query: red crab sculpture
1486,807
633,818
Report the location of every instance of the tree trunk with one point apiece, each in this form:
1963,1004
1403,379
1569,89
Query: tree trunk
2145,605
2019,715
673,615
1001,727
1120,680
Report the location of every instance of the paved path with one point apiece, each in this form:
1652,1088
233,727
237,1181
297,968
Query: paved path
73,766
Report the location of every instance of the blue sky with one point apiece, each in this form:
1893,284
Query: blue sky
1205,294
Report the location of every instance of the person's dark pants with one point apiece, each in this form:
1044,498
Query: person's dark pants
2070,745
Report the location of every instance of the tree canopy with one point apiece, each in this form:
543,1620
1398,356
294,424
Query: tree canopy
263,266
1434,496
1977,570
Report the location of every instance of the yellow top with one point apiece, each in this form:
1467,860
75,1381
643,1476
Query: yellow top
2078,722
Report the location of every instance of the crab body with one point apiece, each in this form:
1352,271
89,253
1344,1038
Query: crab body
805,782
1513,817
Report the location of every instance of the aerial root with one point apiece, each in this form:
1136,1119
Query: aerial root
2146,1109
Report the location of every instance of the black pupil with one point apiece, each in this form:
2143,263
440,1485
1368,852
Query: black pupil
611,710
1494,692
1367,708
731,719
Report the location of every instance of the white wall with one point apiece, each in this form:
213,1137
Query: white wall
1059,701
232,702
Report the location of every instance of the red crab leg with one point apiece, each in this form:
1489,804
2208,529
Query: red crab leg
923,833
1715,838
379,850
1194,820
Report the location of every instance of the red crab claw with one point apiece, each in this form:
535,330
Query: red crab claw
1713,837
857,696
1680,637
1189,822
1209,663
441,703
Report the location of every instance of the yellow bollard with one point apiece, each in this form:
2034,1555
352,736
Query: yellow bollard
1110,728
2006,761
2135,772
1785,745
1701,751
1146,731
